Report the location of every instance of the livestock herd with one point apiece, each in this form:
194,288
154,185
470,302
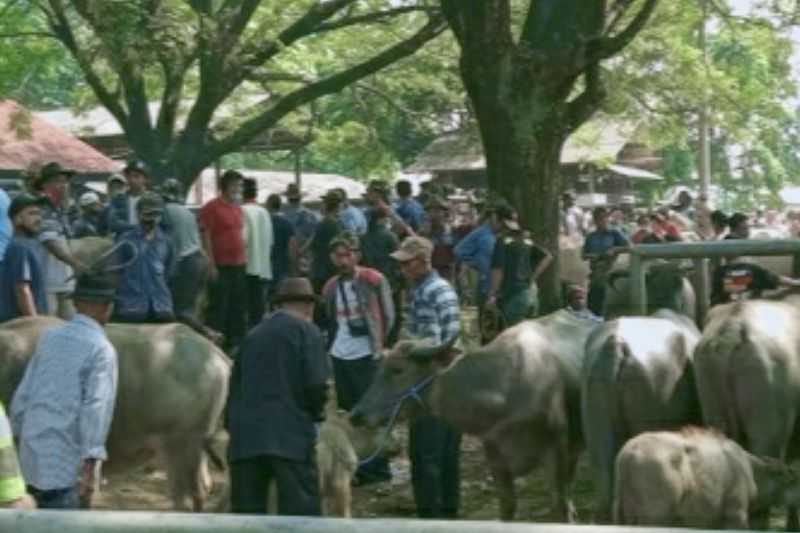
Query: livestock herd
682,427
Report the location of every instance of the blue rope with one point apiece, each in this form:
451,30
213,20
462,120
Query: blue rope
412,393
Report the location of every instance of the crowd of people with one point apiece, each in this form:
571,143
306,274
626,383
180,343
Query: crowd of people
298,298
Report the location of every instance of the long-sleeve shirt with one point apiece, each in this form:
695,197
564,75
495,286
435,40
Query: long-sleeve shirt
144,286
62,409
433,312
475,250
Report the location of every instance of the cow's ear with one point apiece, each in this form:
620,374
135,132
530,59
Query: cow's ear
447,355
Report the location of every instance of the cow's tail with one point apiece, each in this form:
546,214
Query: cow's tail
210,448
716,376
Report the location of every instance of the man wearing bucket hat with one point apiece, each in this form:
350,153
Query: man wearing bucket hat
55,257
303,220
272,436
123,215
144,294
62,409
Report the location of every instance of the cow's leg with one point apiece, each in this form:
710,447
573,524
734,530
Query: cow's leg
564,465
504,482
187,471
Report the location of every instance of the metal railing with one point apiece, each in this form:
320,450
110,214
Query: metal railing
153,522
700,252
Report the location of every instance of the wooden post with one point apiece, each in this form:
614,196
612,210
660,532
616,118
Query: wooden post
702,289
638,285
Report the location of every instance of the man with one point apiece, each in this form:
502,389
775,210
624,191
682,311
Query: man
475,250
437,230
284,247
303,220
379,243
406,207
434,447
259,240
191,263
684,205
576,304
91,222
601,248
122,208
62,409
517,263
738,227
55,257
22,283
222,227
5,223
278,395
322,268
571,216
12,486
351,217
144,295
360,311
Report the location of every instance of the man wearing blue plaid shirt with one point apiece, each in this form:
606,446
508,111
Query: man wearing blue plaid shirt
434,446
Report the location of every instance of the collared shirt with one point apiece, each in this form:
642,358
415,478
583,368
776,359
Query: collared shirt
21,265
144,282
6,229
62,409
303,220
353,219
433,312
411,211
259,239
475,250
55,227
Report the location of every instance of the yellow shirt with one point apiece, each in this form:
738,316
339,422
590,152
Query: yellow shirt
12,486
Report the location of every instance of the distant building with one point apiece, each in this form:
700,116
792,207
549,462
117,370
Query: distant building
602,162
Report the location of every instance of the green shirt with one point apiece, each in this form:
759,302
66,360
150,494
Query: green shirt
12,486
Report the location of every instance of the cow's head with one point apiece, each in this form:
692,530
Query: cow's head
665,284
403,381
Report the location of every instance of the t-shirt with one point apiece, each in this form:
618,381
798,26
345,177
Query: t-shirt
283,232
55,227
258,238
741,281
20,264
598,243
6,229
346,345
518,259
182,228
322,268
224,222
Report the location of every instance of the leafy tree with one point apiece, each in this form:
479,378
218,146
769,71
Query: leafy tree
272,57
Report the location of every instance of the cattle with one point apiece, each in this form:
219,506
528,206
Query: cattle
173,384
747,368
667,288
696,478
91,250
637,377
519,395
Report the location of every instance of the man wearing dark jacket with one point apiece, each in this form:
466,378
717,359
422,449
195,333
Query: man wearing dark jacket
278,394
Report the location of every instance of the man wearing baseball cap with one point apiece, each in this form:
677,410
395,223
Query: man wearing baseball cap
22,284
434,446
90,223
123,215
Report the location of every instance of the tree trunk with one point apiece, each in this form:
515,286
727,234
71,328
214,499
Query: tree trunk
523,152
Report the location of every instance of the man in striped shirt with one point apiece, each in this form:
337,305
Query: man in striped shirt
62,409
434,447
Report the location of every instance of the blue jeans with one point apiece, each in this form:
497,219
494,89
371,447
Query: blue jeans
64,499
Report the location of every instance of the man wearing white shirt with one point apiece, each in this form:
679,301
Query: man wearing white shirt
259,239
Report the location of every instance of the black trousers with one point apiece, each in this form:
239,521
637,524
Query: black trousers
256,299
352,379
297,483
227,304
596,298
187,284
434,448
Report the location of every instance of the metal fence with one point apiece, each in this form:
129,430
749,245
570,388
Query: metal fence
150,522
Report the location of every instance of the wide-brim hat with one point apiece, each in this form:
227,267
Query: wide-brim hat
293,191
52,170
94,288
136,166
295,290
413,248
332,196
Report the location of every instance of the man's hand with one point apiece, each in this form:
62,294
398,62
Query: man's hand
87,483
213,273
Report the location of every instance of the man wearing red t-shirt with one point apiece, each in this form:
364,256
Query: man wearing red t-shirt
222,227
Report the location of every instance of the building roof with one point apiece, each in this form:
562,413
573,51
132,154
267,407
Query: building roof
98,127
314,185
27,139
597,141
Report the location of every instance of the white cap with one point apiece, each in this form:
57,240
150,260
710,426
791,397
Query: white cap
88,198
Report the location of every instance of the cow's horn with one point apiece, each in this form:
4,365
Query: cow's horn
426,352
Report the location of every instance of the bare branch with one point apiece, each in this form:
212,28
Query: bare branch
29,34
609,46
371,18
584,106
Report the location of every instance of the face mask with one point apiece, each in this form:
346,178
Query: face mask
237,198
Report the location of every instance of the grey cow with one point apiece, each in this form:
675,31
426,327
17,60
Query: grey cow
173,384
519,394
667,288
637,377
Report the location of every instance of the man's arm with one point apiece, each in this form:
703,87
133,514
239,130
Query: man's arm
448,314
61,253
387,303
26,305
205,235
317,375
97,404
544,263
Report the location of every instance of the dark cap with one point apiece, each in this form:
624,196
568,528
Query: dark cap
116,178
293,192
333,197
96,288
347,239
23,201
294,290
150,205
136,166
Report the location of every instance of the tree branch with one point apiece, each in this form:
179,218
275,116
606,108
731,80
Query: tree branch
609,46
28,34
292,101
584,106
371,18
